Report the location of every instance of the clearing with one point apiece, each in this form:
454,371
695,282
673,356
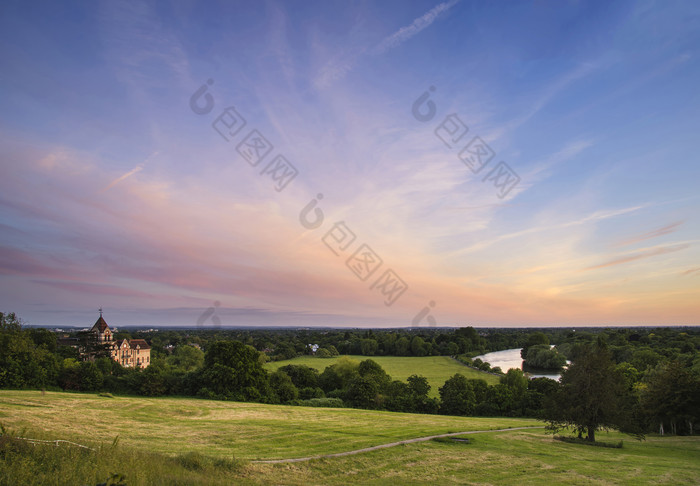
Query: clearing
437,369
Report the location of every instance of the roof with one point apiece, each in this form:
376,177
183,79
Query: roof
100,325
140,343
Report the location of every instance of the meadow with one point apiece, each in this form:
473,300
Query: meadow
437,369
190,441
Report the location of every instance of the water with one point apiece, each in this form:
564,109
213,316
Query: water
510,358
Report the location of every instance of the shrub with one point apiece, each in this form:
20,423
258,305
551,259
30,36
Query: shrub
320,402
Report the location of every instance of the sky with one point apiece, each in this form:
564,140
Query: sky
363,164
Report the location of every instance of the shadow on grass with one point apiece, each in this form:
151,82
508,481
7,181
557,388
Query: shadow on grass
576,440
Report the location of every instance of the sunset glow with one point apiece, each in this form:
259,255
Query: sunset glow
115,192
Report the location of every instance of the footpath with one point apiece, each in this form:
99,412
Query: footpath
384,446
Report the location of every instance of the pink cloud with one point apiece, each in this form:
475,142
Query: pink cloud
664,230
90,288
641,255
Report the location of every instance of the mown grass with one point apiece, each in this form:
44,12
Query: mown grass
246,430
519,457
437,369
187,441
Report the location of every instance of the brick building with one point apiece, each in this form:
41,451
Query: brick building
127,352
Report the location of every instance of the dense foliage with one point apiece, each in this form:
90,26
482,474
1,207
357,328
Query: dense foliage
594,394
632,379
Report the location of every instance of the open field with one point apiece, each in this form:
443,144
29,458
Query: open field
246,430
437,369
189,441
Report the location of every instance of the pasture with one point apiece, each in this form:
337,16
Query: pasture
190,441
437,369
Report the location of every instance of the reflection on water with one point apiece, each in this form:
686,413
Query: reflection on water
510,358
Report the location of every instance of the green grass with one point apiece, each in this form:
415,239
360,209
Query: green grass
189,441
437,369
519,457
246,430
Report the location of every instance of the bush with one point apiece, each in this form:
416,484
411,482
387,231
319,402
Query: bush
320,402
309,392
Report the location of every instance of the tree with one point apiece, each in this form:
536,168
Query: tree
419,402
516,381
403,346
23,362
457,396
532,340
398,397
186,358
283,387
671,398
301,375
418,346
338,375
372,370
541,356
368,347
90,376
233,371
363,392
538,389
153,380
593,395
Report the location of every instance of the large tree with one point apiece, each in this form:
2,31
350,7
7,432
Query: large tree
671,398
457,396
232,371
593,395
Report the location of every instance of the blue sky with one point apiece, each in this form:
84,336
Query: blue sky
115,193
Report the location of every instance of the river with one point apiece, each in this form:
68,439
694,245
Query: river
510,358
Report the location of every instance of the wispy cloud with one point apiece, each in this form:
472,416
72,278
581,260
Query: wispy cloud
641,255
405,33
692,271
594,217
542,99
569,151
137,41
133,171
339,67
664,230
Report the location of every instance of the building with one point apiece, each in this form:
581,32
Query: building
101,331
132,352
127,352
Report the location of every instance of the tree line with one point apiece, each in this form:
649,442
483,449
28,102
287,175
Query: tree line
634,380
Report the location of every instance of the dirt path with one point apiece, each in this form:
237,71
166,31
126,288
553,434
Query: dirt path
384,446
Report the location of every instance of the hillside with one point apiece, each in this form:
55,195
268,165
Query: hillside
189,441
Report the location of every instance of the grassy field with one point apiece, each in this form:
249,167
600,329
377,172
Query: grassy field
189,441
437,369
246,430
